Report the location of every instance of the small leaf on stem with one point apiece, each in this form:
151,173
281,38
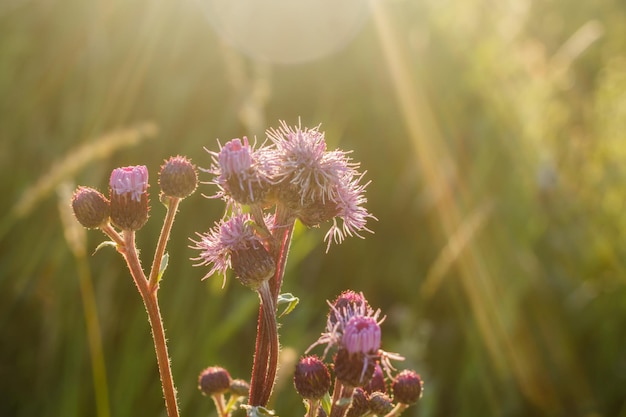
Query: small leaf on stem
290,300
103,244
163,266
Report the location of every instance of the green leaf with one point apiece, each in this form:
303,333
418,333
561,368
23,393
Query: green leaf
163,267
103,244
289,299
327,403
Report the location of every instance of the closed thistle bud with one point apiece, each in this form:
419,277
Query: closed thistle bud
91,208
360,403
312,379
129,197
214,380
354,370
407,387
178,177
380,404
378,381
239,387
253,265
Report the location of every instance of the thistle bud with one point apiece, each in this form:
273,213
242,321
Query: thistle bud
378,381
90,207
354,370
311,378
253,265
129,197
347,302
239,387
178,177
214,380
380,404
359,405
407,387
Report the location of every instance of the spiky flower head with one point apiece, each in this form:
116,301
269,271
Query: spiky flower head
243,175
380,404
316,184
178,177
304,162
377,382
214,380
311,378
360,403
239,387
234,243
407,387
348,305
90,207
129,197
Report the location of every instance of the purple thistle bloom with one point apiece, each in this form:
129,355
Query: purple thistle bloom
242,173
302,161
131,180
342,312
228,236
350,200
361,334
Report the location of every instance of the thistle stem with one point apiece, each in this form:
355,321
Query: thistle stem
313,404
338,408
172,208
266,355
156,323
218,399
267,348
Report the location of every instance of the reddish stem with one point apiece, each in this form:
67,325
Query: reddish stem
156,323
172,208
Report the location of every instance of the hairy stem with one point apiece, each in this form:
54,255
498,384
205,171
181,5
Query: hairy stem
156,323
338,407
266,354
172,208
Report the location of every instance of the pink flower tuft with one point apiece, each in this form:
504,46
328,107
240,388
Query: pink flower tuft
361,335
131,180
226,237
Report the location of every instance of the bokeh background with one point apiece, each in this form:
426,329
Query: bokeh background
493,133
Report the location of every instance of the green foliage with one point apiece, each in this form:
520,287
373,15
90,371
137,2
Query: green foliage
497,180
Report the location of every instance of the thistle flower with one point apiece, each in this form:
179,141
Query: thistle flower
311,378
234,243
380,404
407,387
90,207
178,177
129,197
304,162
318,185
361,335
359,405
348,305
377,382
243,175
214,380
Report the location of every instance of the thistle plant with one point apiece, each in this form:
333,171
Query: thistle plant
291,177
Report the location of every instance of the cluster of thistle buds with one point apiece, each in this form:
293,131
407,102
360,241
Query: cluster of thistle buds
127,207
360,386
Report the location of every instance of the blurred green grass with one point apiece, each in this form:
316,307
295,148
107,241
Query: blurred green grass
493,133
